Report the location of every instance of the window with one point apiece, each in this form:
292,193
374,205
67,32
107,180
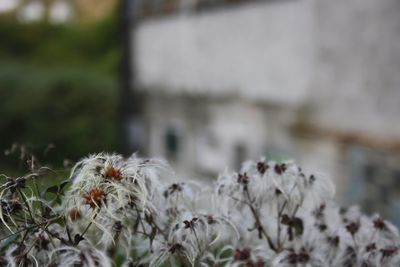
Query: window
172,143
374,181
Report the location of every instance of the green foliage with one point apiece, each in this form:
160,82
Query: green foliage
58,84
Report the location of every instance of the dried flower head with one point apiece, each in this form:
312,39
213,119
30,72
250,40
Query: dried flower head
113,173
267,214
95,197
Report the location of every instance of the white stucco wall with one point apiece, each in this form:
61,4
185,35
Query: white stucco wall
262,51
357,81
339,61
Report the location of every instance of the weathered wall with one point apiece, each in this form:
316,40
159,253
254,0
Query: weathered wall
261,50
263,67
357,82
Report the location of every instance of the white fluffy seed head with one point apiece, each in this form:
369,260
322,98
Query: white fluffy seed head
269,213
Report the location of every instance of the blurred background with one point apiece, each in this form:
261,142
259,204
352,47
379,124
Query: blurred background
207,84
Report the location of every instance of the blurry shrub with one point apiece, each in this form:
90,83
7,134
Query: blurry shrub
72,108
58,84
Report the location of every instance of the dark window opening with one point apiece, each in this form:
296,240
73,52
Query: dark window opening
374,183
370,173
172,143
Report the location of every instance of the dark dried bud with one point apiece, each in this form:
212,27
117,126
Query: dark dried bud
187,224
353,227
389,251
303,257
262,167
370,247
175,187
242,255
190,224
280,168
322,227
379,224
172,189
243,179
334,240
175,247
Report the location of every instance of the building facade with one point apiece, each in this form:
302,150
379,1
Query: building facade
313,80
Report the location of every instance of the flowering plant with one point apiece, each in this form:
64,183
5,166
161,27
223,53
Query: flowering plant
115,211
